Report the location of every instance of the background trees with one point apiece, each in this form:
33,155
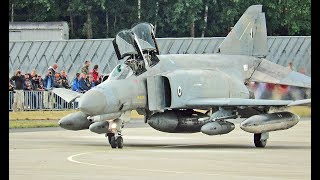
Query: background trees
172,18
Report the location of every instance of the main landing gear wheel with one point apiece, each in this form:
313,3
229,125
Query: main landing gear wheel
115,141
109,137
120,142
258,142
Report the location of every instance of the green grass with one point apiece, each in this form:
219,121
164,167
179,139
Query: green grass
38,115
32,123
302,111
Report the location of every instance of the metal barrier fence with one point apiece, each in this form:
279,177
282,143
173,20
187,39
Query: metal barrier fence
40,100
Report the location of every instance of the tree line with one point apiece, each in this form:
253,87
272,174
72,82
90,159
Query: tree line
171,18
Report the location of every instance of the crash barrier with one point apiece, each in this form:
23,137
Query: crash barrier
39,100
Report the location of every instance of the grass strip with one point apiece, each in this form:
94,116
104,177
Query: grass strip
32,123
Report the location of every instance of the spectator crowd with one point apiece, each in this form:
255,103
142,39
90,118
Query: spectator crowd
33,84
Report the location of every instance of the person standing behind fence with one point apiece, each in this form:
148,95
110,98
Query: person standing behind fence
83,83
29,95
95,74
64,78
75,83
33,74
27,83
41,83
85,68
57,82
53,69
37,84
18,100
48,84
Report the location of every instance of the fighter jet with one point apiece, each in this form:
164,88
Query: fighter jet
169,90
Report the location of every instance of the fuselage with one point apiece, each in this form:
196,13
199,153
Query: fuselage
217,76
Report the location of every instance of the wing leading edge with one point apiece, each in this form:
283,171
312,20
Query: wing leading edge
209,102
67,94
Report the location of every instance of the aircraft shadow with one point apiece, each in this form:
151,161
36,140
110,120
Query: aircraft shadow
193,146
213,146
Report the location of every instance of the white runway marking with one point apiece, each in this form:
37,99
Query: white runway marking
71,159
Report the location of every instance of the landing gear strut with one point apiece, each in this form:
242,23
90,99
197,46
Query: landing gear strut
260,139
115,140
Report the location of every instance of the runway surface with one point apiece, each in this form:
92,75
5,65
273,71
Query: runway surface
149,154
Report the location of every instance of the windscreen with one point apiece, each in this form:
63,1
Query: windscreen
143,33
121,71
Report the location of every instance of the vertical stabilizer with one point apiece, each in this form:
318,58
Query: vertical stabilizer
249,35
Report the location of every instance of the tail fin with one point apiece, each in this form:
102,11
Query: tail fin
249,35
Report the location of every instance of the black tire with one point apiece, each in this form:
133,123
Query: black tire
113,142
258,142
109,137
120,142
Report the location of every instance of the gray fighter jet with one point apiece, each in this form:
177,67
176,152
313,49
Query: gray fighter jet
169,89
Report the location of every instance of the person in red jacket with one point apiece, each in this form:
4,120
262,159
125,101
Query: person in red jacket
95,74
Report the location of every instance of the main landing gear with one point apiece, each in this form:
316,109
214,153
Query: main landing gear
115,140
260,139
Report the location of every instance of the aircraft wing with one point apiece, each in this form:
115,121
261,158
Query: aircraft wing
66,94
209,102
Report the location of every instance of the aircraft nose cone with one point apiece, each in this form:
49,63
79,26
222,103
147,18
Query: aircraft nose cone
93,102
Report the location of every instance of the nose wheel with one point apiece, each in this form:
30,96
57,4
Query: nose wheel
115,140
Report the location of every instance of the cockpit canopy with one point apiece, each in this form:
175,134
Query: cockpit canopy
136,40
145,36
138,47
124,43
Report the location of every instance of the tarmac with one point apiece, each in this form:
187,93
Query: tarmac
55,153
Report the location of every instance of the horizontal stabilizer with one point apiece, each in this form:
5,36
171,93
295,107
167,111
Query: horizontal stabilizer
268,72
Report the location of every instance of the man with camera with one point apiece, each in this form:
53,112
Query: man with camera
48,85
18,101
